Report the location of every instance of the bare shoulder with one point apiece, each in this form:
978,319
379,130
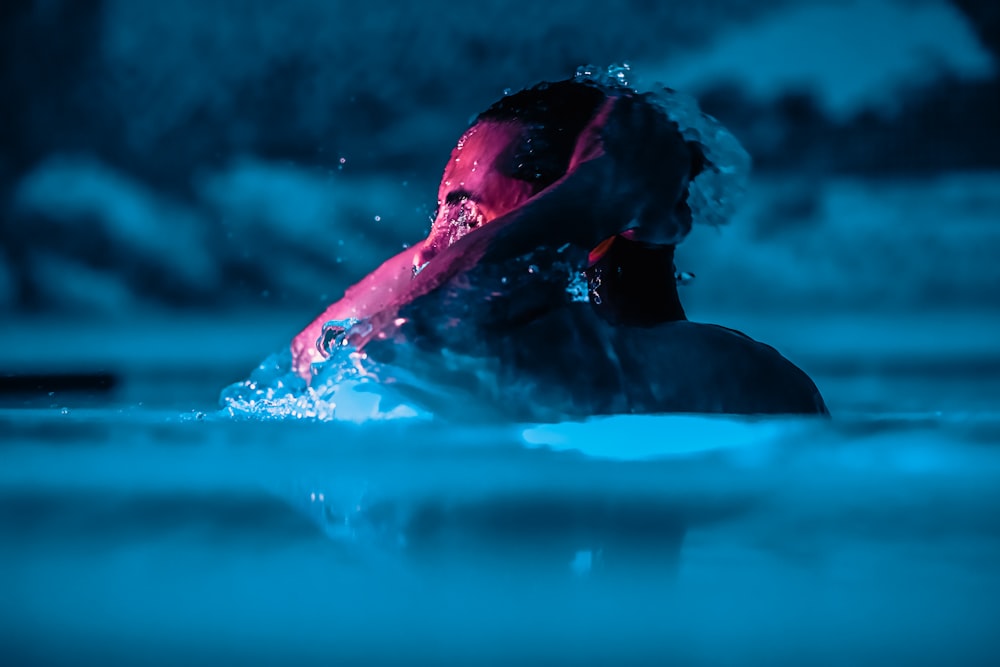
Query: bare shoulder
710,368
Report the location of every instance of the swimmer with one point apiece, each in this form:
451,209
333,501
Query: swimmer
561,180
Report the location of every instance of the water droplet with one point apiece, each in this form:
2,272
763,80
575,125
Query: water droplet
577,287
334,336
594,284
683,277
378,218
613,76
586,72
619,73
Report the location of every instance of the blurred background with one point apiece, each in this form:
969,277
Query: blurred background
184,185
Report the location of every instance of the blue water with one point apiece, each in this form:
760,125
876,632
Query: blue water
141,535
143,525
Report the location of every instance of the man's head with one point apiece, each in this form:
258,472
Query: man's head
526,142
515,149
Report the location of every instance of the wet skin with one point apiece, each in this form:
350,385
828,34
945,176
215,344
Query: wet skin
546,184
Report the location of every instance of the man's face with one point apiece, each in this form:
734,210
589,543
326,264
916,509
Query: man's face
477,186
520,146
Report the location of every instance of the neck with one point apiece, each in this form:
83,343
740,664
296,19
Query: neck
633,284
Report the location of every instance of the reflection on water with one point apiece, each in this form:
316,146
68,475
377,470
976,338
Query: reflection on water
140,534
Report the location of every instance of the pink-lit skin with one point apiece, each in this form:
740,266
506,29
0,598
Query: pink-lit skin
599,196
473,168
496,194
373,293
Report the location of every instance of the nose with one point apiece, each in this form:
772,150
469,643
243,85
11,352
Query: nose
458,215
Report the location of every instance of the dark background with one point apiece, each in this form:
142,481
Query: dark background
241,163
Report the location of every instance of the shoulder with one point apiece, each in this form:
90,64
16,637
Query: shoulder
709,368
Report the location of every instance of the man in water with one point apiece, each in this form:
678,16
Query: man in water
560,180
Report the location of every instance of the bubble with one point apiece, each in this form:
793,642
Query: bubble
619,73
586,72
615,75
683,278
335,335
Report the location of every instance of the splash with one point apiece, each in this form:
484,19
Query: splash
344,387
613,76
578,288
713,195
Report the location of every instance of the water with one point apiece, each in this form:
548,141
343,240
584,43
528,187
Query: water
143,525
143,534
